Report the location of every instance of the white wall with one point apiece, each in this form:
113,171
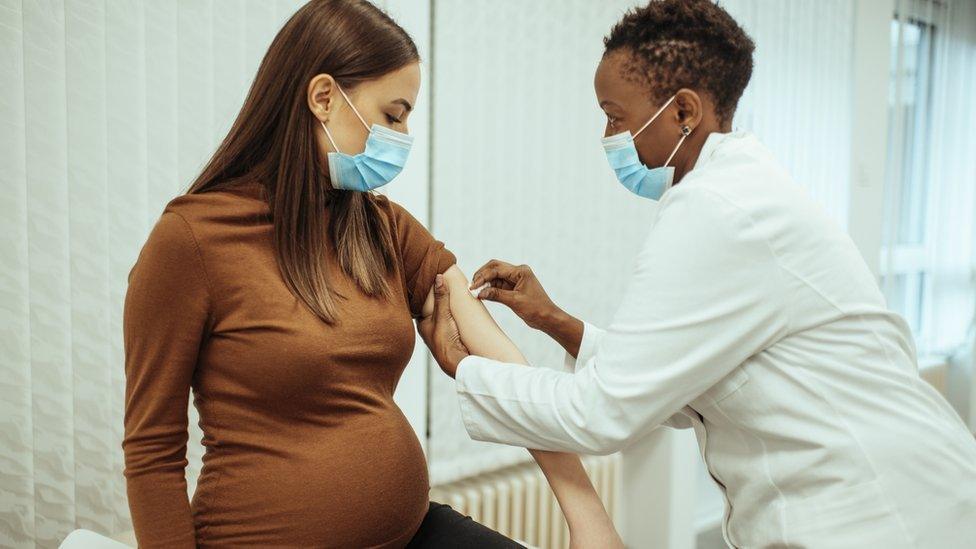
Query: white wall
799,100
869,126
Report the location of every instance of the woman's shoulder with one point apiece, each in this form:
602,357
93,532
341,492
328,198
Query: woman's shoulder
220,207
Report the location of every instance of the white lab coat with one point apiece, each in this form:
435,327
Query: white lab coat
751,317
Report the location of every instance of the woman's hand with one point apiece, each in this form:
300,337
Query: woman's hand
519,289
440,332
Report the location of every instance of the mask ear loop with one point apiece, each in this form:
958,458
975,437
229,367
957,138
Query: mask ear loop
354,109
658,113
685,132
328,134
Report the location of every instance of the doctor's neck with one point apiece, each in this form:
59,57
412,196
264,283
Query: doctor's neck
687,156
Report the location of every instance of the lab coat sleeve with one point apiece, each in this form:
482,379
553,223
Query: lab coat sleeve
705,295
587,348
591,336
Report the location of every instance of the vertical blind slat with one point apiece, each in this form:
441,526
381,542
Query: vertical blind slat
93,413
16,425
48,252
126,187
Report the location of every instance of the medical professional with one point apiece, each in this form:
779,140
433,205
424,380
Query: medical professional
749,316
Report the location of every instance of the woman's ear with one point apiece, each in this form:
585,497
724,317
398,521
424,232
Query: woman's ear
690,109
321,95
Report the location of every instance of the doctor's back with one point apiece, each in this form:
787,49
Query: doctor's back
845,431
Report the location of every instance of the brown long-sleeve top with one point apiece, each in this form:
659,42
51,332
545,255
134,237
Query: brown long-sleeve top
304,444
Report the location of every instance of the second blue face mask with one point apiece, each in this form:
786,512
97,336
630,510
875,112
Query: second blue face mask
622,154
383,158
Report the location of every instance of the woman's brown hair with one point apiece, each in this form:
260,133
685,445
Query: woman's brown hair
272,142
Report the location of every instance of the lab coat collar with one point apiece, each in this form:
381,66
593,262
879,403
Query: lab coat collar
715,142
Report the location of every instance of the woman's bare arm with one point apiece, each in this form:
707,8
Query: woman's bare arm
589,524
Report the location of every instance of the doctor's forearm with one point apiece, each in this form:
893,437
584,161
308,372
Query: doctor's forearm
565,329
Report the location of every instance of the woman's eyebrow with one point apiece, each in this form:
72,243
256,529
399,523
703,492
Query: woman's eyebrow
403,102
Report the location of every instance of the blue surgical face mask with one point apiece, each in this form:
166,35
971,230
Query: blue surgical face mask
383,158
639,179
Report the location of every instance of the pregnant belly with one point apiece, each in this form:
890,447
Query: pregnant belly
361,484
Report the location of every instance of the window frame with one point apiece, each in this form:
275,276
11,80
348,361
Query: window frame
909,261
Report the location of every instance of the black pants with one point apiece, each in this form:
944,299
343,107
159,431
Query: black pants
444,527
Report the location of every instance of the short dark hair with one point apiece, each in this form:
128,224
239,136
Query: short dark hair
691,44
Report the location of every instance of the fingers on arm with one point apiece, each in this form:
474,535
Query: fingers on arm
442,300
494,270
455,283
425,326
478,330
498,294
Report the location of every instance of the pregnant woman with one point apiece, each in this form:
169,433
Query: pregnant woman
283,293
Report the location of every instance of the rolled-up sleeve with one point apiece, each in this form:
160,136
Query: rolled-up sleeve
587,348
705,295
423,256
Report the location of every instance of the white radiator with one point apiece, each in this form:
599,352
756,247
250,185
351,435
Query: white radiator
517,501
